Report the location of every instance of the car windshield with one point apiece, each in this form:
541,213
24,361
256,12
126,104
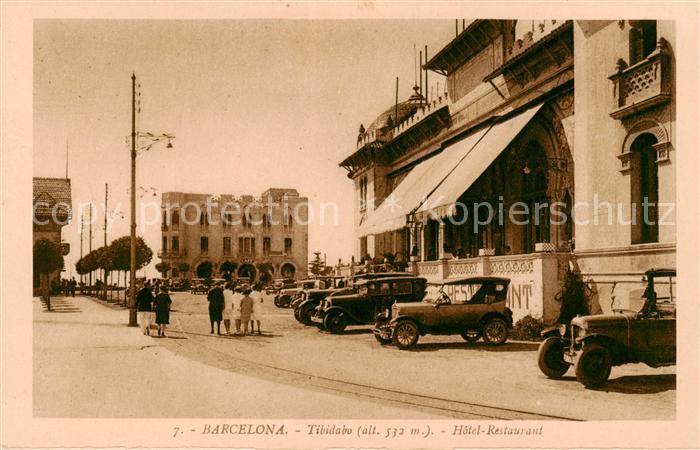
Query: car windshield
468,292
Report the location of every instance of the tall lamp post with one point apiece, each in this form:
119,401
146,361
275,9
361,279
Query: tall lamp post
150,140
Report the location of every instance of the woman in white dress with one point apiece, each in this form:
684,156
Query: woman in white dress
257,297
236,308
227,313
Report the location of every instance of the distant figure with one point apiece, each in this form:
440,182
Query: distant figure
162,307
649,307
144,300
246,309
73,285
216,307
228,307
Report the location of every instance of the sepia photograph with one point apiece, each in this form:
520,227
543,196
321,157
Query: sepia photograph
393,231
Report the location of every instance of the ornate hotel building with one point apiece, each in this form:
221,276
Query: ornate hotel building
511,140
269,231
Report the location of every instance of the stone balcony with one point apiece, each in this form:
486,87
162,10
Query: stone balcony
643,85
181,253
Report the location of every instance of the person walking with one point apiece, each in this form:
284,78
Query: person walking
73,286
162,307
246,309
215,297
228,307
144,300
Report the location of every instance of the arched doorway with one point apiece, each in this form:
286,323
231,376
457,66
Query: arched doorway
204,269
288,270
247,271
534,195
644,189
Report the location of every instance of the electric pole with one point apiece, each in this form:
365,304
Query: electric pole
90,241
82,221
132,262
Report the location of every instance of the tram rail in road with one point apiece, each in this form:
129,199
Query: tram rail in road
440,406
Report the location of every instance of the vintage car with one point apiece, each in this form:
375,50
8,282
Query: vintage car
595,343
285,296
305,304
180,285
370,297
199,286
473,307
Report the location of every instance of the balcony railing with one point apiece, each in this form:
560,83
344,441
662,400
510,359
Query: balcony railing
181,253
642,85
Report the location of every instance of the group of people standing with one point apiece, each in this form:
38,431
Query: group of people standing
65,287
147,305
239,304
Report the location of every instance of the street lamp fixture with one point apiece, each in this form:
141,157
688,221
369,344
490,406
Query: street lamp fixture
147,140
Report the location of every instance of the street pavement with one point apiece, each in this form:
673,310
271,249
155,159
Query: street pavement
298,371
88,363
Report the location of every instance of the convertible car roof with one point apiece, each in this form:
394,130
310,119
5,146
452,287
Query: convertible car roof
660,272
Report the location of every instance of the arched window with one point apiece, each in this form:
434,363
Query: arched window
642,39
644,189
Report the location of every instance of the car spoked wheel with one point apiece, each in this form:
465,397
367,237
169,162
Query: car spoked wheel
471,336
550,358
305,313
383,337
495,331
593,365
335,322
405,334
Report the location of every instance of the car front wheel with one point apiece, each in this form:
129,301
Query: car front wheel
383,338
471,335
335,322
550,357
593,365
405,334
495,331
305,313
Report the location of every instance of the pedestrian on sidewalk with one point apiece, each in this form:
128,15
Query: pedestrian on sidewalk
228,307
257,297
144,300
162,308
215,297
246,309
237,296
73,285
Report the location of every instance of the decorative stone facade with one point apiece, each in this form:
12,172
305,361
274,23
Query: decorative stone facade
245,231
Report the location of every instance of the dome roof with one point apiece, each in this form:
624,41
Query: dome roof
405,110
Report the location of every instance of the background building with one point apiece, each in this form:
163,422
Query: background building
52,210
503,134
244,231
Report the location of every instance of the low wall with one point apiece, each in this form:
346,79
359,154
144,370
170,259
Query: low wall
535,278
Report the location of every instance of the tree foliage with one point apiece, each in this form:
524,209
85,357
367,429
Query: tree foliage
205,269
318,267
163,268
227,268
48,256
265,269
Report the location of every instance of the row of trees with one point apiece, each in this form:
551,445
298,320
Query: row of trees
227,269
115,257
47,258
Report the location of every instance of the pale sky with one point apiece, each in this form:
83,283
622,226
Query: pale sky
253,104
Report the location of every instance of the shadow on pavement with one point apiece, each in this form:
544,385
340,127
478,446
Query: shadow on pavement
479,346
640,384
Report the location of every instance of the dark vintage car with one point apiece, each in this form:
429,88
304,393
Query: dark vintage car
306,303
595,343
199,286
370,297
284,297
473,307
180,285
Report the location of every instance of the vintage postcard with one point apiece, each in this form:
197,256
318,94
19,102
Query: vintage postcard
365,225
